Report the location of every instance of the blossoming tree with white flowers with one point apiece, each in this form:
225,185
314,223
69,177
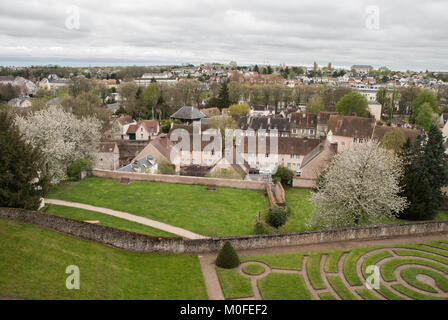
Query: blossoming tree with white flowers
360,186
62,138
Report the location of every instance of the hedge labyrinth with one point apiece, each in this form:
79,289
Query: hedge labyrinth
413,271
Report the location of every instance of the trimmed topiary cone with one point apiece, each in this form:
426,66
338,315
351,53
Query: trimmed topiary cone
227,257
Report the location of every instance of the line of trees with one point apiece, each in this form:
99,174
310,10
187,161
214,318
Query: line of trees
421,105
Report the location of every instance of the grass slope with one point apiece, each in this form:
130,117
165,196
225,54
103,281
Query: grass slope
33,261
105,220
300,210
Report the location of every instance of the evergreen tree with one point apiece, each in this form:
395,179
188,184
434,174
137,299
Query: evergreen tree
223,97
227,257
22,184
276,216
425,173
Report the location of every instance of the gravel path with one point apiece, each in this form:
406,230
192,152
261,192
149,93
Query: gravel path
127,216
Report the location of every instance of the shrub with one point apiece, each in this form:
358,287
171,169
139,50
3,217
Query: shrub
227,257
283,175
276,217
76,167
166,168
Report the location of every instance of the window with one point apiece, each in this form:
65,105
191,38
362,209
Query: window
291,156
267,155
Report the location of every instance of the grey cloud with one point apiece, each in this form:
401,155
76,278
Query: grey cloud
412,34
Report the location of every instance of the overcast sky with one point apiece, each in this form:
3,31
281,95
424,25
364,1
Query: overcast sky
396,33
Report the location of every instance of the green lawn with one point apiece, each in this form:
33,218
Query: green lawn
340,288
301,210
279,286
105,220
224,212
313,271
233,284
410,275
426,259
253,269
33,261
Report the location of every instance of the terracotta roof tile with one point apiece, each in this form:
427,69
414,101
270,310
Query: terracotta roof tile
355,127
132,129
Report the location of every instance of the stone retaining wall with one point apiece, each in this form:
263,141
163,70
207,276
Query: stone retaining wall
303,183
238,184
141,243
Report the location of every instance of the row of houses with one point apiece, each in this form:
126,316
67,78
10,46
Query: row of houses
300,154
296,125
302,142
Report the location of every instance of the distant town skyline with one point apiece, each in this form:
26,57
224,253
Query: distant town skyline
397,34
111,64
